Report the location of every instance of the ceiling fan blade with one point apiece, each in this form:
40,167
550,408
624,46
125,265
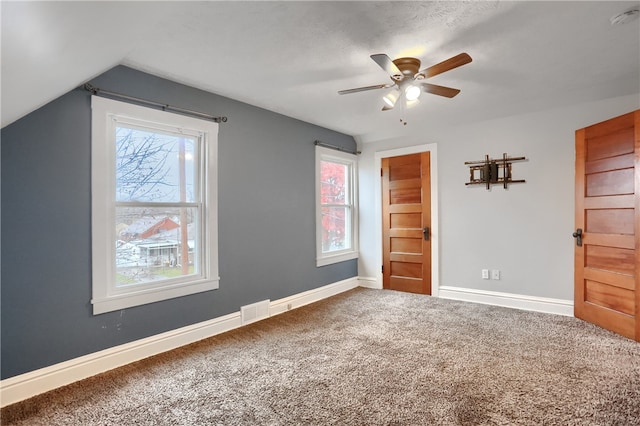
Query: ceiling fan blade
362,89
386,64
449,64
434,89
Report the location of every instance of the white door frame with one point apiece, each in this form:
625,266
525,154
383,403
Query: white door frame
435,246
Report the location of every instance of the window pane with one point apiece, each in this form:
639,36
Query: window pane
333,183
154,166
335,229
155,244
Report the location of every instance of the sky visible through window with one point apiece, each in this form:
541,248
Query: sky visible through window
148,166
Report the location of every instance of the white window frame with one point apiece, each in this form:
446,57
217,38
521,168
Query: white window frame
331,155
107,296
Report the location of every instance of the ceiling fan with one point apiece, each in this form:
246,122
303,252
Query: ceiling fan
407,78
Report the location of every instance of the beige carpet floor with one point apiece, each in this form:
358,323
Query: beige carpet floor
369,357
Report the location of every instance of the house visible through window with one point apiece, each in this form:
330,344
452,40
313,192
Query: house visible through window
154,205
336,206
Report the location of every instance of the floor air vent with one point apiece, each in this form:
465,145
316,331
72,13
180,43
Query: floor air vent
254,312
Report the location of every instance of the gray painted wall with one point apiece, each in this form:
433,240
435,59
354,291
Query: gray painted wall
266,223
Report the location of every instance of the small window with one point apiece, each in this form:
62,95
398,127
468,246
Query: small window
154,210
336,206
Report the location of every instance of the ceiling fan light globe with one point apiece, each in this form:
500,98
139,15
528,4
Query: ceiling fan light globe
390,99
412,92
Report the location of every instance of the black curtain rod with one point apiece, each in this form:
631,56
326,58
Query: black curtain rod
337,148
165,107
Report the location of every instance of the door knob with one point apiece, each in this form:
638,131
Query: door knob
578,236
425,233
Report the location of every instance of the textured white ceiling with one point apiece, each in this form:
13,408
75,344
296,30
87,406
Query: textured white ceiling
293,57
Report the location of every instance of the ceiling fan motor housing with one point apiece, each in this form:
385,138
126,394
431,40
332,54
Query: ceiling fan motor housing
408,66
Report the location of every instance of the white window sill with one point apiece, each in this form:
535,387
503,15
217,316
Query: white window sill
128,300
336,258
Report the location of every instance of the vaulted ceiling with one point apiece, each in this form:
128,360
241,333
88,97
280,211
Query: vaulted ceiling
294,57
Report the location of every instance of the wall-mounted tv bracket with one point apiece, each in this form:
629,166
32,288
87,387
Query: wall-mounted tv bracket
492,170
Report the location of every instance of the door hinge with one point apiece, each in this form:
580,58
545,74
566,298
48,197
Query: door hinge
382,269
381,172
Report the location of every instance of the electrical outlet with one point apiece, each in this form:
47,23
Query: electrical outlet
485,274
495,274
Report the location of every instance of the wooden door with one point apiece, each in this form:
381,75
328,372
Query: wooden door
607,264
406,233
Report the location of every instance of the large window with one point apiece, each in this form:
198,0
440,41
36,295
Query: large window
336,206
154,209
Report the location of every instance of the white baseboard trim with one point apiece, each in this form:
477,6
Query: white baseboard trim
27,385
297,300
509,300
369,282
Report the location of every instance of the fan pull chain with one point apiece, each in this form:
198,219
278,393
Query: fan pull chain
403,102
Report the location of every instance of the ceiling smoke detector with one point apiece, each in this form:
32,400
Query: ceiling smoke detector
625,17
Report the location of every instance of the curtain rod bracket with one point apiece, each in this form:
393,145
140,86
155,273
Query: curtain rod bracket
91,88
165,107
